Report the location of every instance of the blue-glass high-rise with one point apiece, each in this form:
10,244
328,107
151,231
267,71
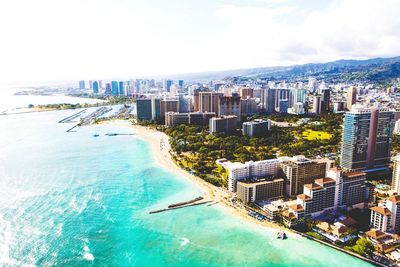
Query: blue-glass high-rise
168,84
367,138
114,88
95,86
121,88
82,85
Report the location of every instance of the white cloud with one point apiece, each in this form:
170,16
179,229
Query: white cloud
74,39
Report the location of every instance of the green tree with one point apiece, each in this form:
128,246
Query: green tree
363,247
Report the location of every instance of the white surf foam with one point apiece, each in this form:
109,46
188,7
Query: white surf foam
184,241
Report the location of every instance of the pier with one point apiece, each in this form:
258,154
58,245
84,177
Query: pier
72,117
179,205
72,129
92,117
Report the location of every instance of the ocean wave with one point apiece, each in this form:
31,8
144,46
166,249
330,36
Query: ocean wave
86,253
184,241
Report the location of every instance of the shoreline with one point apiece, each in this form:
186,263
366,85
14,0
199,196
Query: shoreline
164,160
216,194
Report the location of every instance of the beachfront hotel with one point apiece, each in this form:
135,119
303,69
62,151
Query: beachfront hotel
252,169
345,190
386,216
299,171
252,191
396,174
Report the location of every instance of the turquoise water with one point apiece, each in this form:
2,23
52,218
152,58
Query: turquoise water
74,200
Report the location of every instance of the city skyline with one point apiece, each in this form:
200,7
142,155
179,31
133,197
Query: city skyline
72,40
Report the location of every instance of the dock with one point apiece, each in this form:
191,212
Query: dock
92,117
72,117
179,205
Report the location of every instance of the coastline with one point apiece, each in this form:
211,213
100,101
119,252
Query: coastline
217,195
163,158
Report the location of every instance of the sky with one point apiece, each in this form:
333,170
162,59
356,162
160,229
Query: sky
51,40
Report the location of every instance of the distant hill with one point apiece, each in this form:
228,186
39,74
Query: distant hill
378,70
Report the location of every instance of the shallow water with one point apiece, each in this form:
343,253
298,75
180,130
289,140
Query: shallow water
76,200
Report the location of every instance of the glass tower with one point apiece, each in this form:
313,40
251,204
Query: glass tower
367,138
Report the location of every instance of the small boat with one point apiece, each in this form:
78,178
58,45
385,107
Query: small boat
281,235
95,135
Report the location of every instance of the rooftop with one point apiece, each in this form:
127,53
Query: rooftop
325,181
382,210
296,207
376,234
353,174
304,197
395,199
313,186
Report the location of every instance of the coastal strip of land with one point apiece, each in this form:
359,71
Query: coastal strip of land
160,150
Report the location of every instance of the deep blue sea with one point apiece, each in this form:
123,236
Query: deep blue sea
71,199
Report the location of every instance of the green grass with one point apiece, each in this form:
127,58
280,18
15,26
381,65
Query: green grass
316,135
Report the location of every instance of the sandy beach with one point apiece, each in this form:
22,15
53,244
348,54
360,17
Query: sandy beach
160,148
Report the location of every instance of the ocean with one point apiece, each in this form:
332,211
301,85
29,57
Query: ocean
72,199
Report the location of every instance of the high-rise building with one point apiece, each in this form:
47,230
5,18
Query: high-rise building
352,188
256,127
345,190
325,101
299,171
168,105
317,104
181,83
143,109
298,109
386,216
121,89
367,137
148,108
206,101
185,103
82,85
95,87
318,197
167,85
223,124
176,118
200,118
339,106
396,174
246,92
393,204
263,189
283,105
229,105
108,89
300,95
114,88
267,99
250,170
397,127
248,106
351,97
381,218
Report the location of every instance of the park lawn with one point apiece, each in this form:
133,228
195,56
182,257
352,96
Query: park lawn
316,135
